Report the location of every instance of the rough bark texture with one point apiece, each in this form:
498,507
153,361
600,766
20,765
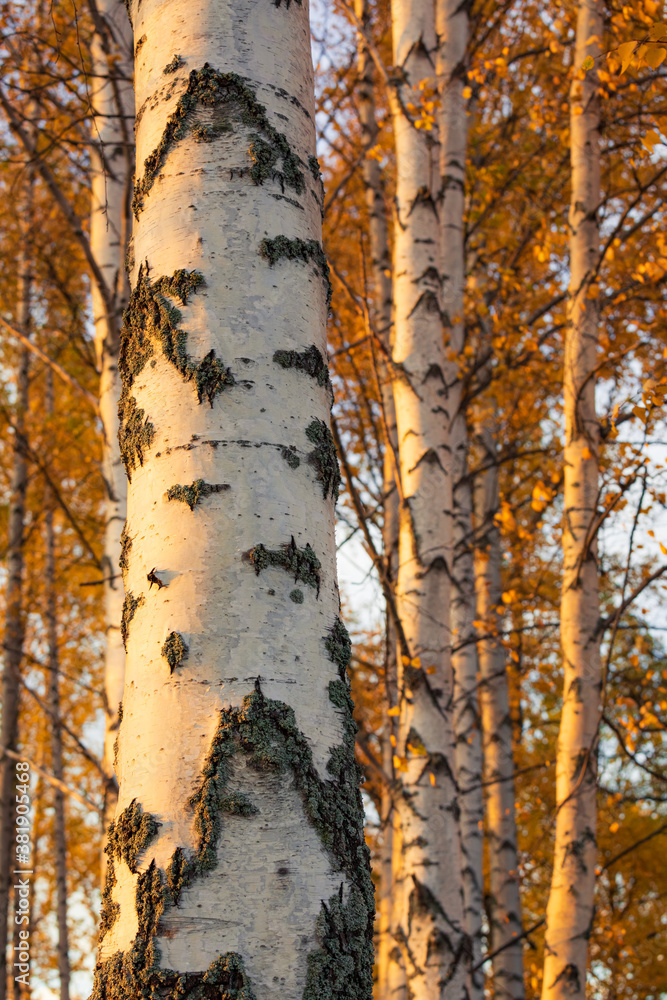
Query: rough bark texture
238,867
452,25
14,630
570,908
390,980
112,160
59,829
428,913
504,904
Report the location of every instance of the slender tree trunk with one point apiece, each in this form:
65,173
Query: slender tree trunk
504,904
112,158
570,909
14,631
237,856
390,980
59,827
428,913
452,24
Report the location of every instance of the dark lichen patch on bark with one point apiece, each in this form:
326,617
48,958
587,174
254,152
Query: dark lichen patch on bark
314,167
338,646
324,458
174,650
306,251
130,834
175,64
125,546
291,457
195,492
150,318
311,361
115,742
130,605
135,432
303,563
110,910
232,100
265,732
343,966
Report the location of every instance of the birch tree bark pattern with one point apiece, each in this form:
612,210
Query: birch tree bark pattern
504,902
570,909
390,979
427,875
452,25
239,867
112,161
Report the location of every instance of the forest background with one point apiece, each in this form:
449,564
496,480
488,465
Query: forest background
515,77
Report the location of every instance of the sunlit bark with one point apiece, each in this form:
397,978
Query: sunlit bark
452,23
390,979
112,163
571,900
236,736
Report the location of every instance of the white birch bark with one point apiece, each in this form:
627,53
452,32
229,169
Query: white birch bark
112,163
428,912
390,980
570,908
236,735
452,25
504,903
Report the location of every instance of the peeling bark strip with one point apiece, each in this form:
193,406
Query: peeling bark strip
256,794
570,910
231,101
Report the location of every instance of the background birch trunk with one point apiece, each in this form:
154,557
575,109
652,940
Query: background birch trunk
570,910
428,913
238,855
59,827
390,979
504,907
452,25
112,168
14,630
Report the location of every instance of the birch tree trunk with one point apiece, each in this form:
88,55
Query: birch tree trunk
504,899
112,162
570,908
237,856
452,24
14,631
390,979
428,912
59,827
